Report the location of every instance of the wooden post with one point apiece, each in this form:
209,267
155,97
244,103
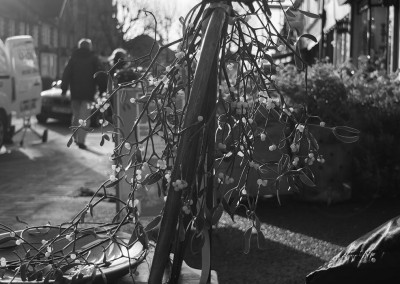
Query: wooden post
208,112
187,148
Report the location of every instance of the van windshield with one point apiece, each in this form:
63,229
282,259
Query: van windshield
23,59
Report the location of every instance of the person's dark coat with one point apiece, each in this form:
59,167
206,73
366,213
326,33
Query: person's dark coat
78,75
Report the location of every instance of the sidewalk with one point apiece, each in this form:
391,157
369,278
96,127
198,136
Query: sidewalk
39,182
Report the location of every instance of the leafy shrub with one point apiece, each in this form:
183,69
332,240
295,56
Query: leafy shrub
365,98
374,97
323,93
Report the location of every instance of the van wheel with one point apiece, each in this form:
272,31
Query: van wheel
45,136
9,135
41,118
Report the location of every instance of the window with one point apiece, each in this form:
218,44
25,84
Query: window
364,35
63,42
11,27
2,27
375,35
379,36
342,47
342,41
28,29
35,34
55,38
46,33
391,43
48,65
21,28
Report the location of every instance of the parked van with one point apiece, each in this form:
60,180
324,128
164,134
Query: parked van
5,97
20,82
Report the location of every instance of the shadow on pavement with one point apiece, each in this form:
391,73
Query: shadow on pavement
275,263
60,127
94,151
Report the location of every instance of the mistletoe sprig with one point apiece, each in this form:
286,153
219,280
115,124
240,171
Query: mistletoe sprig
206,134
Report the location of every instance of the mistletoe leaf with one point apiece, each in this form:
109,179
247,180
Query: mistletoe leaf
313,141
309,36
305,179
7,239
142,236
289,13
258,224
346,139
152,178
347,128
23,270
261,243
67,267
114,183
247,239
309,14
21,221
347,134
217,214
153,224
99,73
70,142
83,215
37,231
283,162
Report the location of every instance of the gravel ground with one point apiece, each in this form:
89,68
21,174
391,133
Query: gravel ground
299,238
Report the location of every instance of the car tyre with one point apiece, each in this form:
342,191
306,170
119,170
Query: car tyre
41,118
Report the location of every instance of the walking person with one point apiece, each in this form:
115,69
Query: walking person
122,72
79,77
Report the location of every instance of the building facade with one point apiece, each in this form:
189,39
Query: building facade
57,25
332,30
353,29
375,32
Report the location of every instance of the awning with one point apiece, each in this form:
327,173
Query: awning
335,11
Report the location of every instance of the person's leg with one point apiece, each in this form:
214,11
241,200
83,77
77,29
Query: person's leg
80,110
75,106
84,113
